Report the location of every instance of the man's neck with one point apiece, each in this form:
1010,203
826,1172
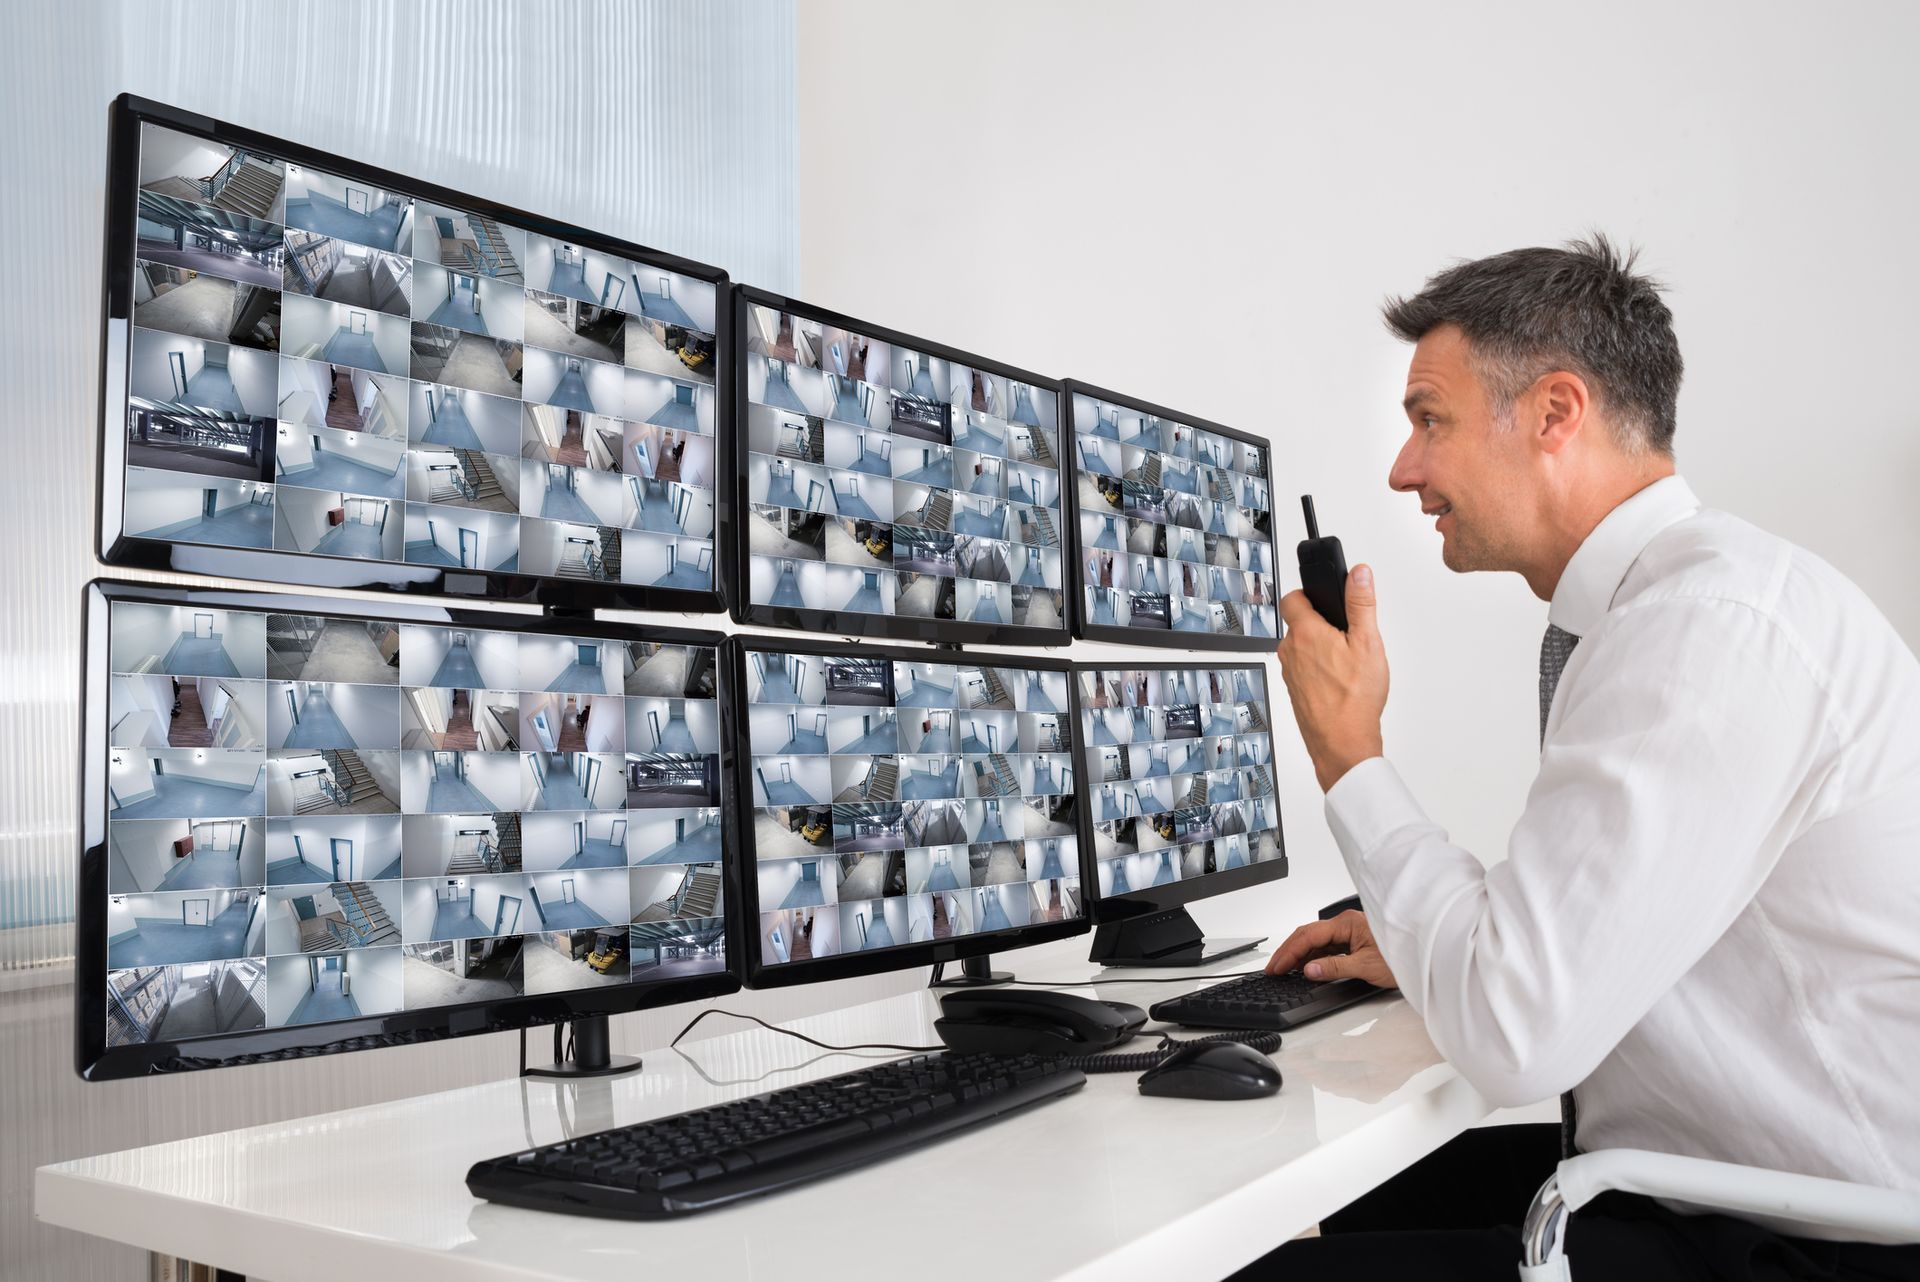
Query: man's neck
1571,523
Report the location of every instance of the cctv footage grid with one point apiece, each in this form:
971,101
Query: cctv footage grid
1176,525
1179,773
902,803
882,480
319,818
321,366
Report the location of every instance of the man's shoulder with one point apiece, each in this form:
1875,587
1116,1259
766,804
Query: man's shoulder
1711,555
1713,559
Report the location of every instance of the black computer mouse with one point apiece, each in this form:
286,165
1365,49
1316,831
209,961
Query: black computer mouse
1212,1070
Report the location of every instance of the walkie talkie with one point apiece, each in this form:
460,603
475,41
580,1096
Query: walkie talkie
1323,570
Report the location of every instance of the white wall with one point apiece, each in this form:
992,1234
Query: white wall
544,658
256,379
371,714
502,306
174,155
288,982
150,368
309,324
602,889
143,852
282,787
494,419
376,979
1355,152
300,516
157,499
606,384
380,453
647,394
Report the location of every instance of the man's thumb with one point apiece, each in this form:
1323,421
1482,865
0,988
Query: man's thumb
1360,600
1334,966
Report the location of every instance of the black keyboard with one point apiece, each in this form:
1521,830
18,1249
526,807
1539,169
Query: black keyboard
712,1156
1265,1002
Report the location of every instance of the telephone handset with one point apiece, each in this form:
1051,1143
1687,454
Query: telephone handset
1038,1022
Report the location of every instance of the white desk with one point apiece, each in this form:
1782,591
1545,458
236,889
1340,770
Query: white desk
1105,1183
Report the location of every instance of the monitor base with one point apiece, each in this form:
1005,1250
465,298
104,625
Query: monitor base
975,972
590,1056
1170,938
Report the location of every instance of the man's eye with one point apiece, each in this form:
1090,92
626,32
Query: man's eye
1428,420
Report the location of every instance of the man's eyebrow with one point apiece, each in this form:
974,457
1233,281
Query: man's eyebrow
1419,396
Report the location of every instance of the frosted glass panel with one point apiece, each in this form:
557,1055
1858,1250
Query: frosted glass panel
668,123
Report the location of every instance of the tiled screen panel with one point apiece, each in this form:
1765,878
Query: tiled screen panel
315,819
902,803
1176,525
319,366
886,481
1179,768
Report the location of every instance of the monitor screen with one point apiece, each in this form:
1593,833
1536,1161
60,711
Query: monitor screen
898,801
891,487
333,375
313,820
1179,780
1176,529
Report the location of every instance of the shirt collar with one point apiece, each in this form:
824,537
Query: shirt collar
1585,591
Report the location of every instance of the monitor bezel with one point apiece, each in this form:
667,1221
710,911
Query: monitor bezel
115,547
745,890
1085,630
1150,900
94,1060
886,627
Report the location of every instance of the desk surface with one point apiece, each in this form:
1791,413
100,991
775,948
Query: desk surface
1105,1183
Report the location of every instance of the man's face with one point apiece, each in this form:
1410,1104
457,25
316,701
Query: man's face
1458,460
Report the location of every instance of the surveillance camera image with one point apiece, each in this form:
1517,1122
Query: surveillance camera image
316,818
886,481
900,802
1179,768
324,367
1176,525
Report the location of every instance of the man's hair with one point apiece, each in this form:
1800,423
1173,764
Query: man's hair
1581,308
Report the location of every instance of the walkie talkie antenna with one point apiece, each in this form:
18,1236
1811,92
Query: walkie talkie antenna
1313,524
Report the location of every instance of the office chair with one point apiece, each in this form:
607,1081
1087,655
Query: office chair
1785,1201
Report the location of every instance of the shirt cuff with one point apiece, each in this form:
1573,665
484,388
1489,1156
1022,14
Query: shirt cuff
1364,806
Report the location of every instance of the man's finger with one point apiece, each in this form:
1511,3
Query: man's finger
1302,942
1360,601
1295,608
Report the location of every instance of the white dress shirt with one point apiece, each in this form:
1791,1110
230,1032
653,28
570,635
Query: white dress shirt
1708,920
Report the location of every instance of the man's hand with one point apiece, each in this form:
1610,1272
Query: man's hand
1337,680
1338,948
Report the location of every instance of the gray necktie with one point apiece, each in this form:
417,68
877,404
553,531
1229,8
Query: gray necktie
1555,648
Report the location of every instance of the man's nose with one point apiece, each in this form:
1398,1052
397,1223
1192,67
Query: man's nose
1408,472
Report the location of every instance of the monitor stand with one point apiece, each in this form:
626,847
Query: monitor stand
591,1054
975,972
1171,938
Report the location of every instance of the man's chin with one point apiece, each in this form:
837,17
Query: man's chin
1457,558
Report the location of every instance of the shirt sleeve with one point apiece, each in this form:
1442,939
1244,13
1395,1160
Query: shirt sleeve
1691,743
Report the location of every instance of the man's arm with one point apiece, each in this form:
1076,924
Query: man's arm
1684,762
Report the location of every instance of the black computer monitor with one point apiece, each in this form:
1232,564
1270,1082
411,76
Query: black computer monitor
320,372
1173,518
316,825
1177,771
892,487
900,807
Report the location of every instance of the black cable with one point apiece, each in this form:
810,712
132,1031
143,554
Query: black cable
863,1046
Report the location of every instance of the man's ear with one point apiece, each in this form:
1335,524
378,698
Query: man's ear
1559,404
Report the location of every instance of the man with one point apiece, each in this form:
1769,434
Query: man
1707,926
